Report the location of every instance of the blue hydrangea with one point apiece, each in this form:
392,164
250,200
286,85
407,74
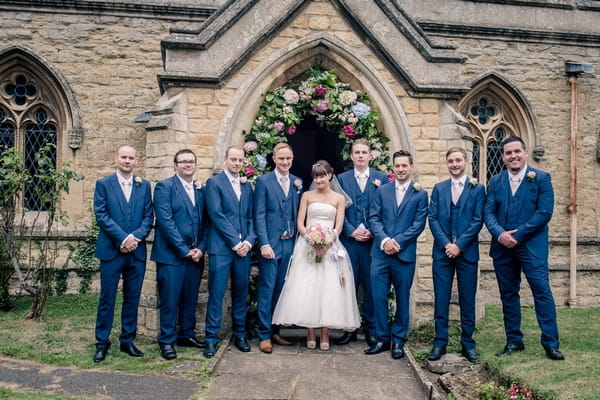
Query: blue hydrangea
262,161
361,110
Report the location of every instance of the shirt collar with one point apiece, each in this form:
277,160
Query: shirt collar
278,175
462,180
520,175
184,182
405,185
231,177
365,173
122,180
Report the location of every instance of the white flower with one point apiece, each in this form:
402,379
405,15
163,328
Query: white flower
376,182
375,154
473,181
347,97
250,146
416,187
298,185
531,176
198,184
137,180
243,179
291,96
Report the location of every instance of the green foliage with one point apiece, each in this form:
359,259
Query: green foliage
85,259
335,106
6,273
31,247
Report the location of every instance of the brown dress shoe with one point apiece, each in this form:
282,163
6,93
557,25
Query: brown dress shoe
280,341
265,346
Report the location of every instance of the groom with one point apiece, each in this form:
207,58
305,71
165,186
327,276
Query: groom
397,218
276,200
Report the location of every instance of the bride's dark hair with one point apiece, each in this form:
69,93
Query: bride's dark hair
321,168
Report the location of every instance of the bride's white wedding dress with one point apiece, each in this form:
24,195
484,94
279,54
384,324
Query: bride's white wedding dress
317,294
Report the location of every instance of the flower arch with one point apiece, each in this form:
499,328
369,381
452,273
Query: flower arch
336,108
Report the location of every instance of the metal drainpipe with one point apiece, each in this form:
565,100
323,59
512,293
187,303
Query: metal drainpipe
572,302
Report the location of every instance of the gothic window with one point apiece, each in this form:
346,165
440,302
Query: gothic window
495,111
28,123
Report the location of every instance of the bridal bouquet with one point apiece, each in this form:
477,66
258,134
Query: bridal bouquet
319,237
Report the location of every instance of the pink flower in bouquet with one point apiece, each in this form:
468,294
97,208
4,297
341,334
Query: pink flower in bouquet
349,131
320,90
249,170
291,130
278,126
321,106
319,237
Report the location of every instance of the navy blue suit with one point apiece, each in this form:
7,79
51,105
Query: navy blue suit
180,226
529,212
231,223
275,218
358,213
459,224
403,223
117,218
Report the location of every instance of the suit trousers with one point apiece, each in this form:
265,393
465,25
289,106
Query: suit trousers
360,258
133,271
178,287
388,270
508,268
220,267
466,278
270,282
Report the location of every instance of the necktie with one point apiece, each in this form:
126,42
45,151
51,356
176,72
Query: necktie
400,191
456,191
126,185
236,187
190,192
514,184
285,184
362,182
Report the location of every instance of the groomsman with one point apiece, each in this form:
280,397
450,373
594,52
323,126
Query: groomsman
276,200
360,183
518,208
231,236
123,209
397,218
455,219
180,242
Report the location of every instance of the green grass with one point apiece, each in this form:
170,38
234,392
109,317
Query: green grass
575,378
6,394
65,337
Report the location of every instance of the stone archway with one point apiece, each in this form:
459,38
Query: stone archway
291,62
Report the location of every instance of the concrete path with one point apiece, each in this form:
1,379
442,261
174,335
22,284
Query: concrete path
295,372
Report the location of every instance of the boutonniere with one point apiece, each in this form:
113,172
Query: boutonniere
376,183
473,182
416,187
137,180
531,176
243,179
298,185
198,184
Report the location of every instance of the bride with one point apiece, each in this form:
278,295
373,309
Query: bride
319,287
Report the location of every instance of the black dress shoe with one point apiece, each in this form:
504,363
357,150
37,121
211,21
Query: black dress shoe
397,351
436,353
210,350
554,354
241,344
510,348
130,349
346,338
167,351
190,342
371,340
470,354
101,354
378,348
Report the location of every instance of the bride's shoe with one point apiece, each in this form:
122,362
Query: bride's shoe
311,344
324,346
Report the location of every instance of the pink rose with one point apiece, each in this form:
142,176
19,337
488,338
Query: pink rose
249,170
349,131
278,126
320,90
291,130
321,106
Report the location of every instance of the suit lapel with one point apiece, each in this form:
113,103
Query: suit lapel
408,193
229,187
121,195
183,194
464,195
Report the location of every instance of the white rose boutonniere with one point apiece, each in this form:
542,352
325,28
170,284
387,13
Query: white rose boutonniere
376,183
416,187
298,185
137,180
473,182
243,179
531,176
198,184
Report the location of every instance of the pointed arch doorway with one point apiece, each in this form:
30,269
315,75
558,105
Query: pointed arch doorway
310,143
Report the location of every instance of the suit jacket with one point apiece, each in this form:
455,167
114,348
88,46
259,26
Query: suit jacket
118,218
269,217
403,223
470,219
535,203
231,220
180,226
358,211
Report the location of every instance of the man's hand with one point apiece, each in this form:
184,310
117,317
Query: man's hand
507,240
242,249
267,252
452,250
391,247
195,254
361,235
130,244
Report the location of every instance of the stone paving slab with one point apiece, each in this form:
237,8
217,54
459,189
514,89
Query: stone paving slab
298,373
